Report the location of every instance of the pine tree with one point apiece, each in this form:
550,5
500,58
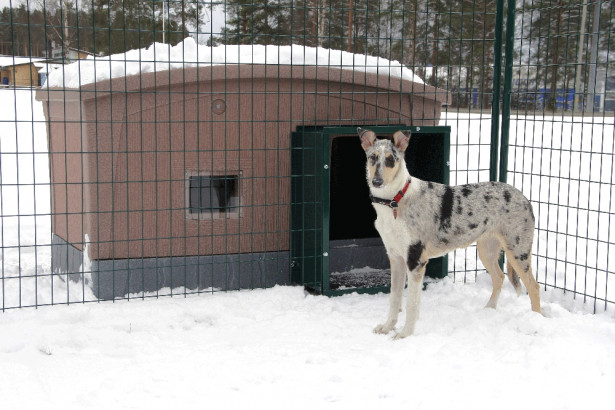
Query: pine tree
256,22
122,25
552,44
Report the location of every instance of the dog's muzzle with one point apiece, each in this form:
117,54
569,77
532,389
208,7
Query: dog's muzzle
377,182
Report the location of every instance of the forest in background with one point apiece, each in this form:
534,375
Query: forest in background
457,36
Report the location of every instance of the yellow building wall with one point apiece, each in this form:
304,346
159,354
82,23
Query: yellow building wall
25,75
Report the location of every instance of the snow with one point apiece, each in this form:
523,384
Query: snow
282,348
161,57
6,61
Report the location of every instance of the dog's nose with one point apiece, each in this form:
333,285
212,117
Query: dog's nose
377,182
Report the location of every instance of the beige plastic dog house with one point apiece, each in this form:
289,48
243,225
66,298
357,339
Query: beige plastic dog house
182,177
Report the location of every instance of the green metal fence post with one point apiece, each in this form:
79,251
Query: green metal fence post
506,100
495,101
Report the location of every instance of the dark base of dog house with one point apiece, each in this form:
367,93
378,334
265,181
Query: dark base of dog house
117,278
66,259
355,265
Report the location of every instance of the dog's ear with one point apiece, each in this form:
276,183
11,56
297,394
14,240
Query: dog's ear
401,139
367,138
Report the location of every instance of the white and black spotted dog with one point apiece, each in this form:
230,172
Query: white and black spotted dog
419,220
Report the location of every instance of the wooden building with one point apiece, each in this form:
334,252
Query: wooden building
19,71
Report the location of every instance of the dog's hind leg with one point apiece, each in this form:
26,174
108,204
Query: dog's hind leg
398,280
522,264
517,239
513,277
489,249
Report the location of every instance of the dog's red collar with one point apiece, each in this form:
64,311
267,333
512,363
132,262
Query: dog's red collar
393,203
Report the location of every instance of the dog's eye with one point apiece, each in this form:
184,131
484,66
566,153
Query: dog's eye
389,161
373,158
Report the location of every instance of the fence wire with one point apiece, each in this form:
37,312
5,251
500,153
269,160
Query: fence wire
562,140
146,145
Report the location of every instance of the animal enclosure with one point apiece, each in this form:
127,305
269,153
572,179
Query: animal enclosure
162,164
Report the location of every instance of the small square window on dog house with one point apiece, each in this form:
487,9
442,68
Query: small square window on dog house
212,195
178,173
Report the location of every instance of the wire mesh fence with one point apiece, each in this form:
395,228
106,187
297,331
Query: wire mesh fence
147,146
561,140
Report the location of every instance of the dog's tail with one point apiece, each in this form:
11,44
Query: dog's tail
514,279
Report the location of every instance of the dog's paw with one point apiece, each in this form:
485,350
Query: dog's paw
403,334
491,305
384,328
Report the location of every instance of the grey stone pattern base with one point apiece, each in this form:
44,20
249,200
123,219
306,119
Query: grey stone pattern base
65,259
119,277
116,278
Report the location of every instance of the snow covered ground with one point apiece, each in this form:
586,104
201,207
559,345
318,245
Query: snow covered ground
281,348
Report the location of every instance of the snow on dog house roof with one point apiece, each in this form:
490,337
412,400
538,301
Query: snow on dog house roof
162,57
127,133
167,64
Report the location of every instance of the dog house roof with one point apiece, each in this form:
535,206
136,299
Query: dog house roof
187,62
227,74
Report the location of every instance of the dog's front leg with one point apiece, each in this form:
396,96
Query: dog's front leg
398,280
413,304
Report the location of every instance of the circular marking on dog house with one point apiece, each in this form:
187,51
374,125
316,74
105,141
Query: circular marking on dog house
218,106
